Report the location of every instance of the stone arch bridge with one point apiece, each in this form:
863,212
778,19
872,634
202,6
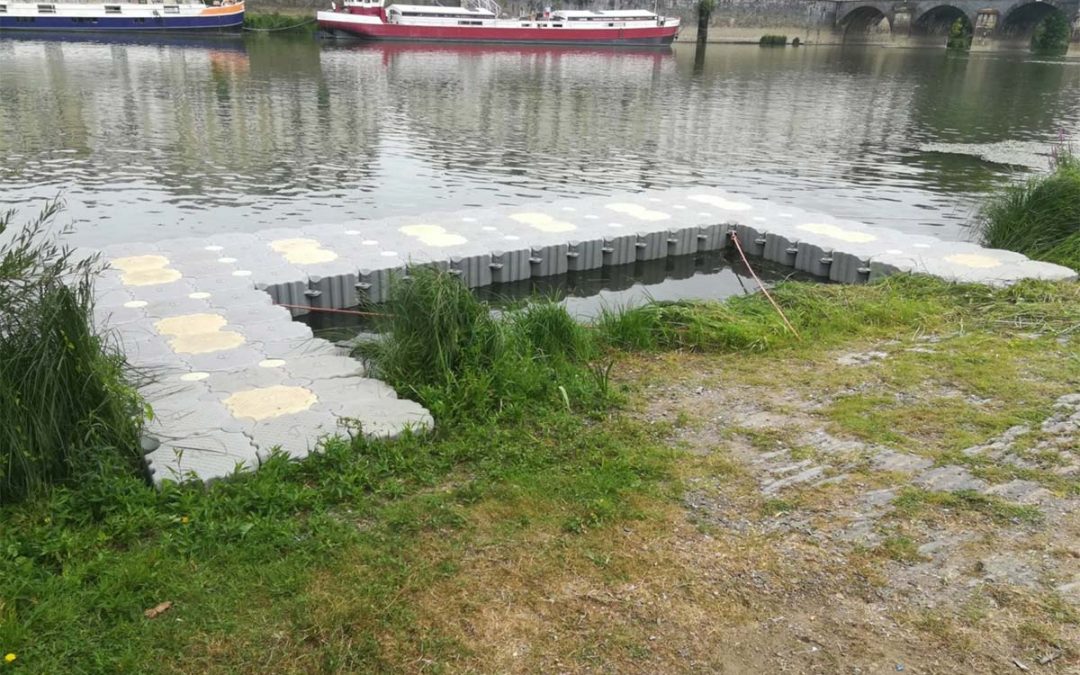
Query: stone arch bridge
993,22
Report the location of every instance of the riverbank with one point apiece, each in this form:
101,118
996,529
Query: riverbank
739,502
812,22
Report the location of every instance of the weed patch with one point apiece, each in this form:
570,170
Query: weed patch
913,502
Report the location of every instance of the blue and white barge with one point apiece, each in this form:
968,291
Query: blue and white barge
142,15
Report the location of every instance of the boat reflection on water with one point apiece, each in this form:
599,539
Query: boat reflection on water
390,51
228,42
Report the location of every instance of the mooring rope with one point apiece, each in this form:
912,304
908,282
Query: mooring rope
738,247
273,30
331,310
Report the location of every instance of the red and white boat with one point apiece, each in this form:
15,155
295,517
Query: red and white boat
479,21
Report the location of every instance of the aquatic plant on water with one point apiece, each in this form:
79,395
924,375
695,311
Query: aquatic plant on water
65,405
773,40
1041,216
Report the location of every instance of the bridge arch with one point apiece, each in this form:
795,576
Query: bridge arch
938,21
1020,21
865,23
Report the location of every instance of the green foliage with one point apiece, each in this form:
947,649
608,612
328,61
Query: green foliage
447,349
749,323
317,565
959,36
1040,217
1051,35
290,24
64,401
773,40
706,7
241,559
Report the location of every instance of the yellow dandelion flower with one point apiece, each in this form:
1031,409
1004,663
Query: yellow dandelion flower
184,520
9,657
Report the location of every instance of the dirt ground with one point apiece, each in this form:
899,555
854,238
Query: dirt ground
811,531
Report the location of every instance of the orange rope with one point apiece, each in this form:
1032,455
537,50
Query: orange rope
738,246
330,310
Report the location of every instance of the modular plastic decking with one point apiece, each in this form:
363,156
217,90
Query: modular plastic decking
233,376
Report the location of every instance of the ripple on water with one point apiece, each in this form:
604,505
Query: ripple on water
323,133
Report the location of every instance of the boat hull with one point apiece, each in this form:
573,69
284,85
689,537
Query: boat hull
224,19
341,24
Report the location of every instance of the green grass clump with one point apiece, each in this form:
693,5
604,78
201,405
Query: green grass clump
901,548
64,404
912,501
773,40
279,23
449,351
1039,218
819,312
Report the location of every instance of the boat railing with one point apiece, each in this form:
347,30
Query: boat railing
201,3
489,5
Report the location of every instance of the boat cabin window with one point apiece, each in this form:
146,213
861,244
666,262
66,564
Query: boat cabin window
605,17
470,23
172,9
46,9
112,9
3,9
432,15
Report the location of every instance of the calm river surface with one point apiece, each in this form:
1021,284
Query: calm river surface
148,140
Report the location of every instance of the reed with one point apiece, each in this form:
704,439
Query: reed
1039,217
448,350
773,40
64,400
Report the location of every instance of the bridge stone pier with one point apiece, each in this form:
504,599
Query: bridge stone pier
995,24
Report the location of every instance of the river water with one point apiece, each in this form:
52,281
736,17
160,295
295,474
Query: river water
153,139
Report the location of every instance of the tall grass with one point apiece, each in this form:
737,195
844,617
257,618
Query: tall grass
773,41
448,350
63,396
1040,217
749,323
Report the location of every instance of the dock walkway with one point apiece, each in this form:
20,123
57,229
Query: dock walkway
232,375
